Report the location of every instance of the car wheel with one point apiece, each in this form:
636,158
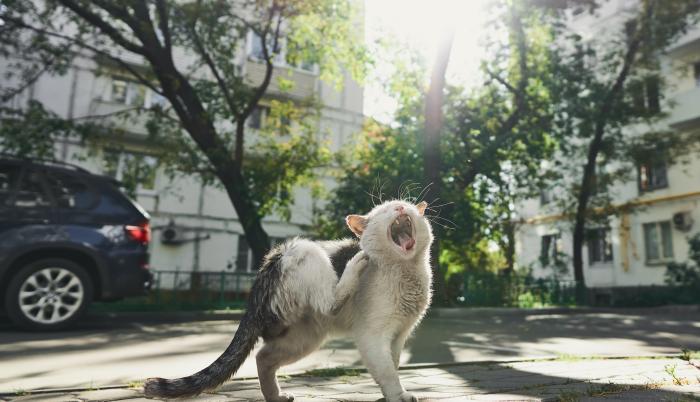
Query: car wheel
48,294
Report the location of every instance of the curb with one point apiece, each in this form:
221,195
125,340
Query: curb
458,312
167,316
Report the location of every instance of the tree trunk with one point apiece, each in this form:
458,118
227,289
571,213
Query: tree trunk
201,129
431,155
594,148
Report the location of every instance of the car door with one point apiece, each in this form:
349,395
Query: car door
26,209
24,198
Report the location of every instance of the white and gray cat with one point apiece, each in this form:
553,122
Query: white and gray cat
298,300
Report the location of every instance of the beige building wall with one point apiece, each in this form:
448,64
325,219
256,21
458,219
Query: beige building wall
631,263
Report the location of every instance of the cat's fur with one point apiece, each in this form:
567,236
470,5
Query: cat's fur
297,300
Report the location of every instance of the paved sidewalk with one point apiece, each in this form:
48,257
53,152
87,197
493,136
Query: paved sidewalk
660,378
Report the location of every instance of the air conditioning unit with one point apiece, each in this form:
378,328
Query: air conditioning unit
172,235
683,221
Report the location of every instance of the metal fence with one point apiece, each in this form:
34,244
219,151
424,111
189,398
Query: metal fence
481,289
484,289
178,290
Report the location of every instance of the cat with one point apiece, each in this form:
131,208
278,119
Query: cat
297,301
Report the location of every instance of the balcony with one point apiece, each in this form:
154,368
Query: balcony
686,113
304,81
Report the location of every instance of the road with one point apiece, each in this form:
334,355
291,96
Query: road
104,352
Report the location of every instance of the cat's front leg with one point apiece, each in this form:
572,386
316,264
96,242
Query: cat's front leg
376,352
348,282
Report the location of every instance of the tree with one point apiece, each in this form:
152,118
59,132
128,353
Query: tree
601,83
188,52
434,102
493,138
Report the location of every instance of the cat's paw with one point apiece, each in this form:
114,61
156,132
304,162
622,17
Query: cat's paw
283,397
407,397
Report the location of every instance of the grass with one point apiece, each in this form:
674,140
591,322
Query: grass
687,354
671,370
604,390
135,384
333,372
571,358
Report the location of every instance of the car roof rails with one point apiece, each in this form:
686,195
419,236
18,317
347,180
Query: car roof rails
45,162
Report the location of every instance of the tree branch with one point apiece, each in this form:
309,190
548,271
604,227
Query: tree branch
201,48
262,88
86,46
103,26
164,24
503,133
503,82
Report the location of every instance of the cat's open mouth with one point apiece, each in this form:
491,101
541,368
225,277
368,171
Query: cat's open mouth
401,232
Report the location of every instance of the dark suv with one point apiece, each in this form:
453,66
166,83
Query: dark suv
67,237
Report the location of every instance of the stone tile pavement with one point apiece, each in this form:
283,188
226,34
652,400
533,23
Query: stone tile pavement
660,378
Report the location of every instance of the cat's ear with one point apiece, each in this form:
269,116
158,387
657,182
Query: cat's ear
356,223
421,207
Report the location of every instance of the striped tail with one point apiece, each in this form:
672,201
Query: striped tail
218,372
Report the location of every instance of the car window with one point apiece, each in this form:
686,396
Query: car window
112,202
30,193
71,191
9,176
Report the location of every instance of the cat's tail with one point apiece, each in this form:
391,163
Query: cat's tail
218,372
259,317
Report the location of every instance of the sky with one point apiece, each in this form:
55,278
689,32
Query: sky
422,24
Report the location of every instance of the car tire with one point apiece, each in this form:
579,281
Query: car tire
48,294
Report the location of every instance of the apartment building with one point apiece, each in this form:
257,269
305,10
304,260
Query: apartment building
195,227
664,198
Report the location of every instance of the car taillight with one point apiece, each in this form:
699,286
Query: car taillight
140,233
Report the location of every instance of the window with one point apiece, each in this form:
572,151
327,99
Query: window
658,243
128,93
696,73
279,55
256,47
545,197
652,176
257,118
136,171
119,88
71,192
646,95
242,260
31,193
599,243
9,176
154,99
551,249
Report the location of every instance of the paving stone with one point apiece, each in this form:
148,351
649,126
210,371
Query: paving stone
110,394
53,397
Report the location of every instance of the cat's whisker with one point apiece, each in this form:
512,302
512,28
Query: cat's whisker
423,192
442,221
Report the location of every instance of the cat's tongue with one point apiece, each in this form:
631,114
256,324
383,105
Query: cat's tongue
406,242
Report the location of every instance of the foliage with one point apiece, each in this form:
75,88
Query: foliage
686,274
192,55
493,139
31,133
